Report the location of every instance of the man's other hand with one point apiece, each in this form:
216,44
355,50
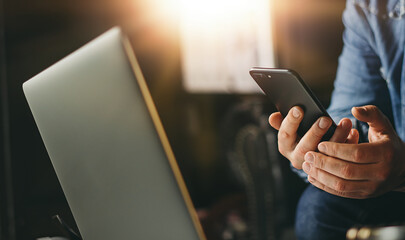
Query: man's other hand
360,170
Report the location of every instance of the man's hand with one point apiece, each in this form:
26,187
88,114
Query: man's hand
294,148
360,170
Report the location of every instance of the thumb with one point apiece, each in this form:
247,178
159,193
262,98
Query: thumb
373,117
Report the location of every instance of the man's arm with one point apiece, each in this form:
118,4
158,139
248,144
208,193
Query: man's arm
368,169
359,80
358,83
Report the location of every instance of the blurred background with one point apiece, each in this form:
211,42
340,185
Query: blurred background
195,56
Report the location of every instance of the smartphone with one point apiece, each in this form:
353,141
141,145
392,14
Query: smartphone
286,89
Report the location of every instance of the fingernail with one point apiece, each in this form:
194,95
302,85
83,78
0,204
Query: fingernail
309,158
322,147
323,123
296,113
307,167
345,124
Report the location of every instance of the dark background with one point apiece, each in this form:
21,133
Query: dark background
36,33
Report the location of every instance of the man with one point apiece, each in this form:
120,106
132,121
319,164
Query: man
355,183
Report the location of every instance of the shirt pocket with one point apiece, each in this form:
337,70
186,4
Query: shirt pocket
397,10
385,9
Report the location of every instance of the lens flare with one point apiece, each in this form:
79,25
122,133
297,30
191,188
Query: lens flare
220,40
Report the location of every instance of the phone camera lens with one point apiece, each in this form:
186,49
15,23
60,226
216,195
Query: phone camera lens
258,75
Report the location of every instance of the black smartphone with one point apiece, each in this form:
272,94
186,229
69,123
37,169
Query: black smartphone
286,89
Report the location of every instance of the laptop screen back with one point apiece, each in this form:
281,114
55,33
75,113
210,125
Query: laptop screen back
107,146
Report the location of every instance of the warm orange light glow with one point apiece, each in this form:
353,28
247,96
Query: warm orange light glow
213,11
220,41
201,13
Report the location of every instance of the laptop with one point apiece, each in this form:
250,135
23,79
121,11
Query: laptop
108,146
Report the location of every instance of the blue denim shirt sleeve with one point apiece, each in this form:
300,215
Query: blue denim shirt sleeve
359,80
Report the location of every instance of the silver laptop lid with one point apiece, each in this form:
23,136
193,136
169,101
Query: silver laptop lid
108,147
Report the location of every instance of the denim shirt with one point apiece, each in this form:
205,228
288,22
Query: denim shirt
371,67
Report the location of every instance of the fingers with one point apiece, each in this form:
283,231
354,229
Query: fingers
373,116
331,181
342,131
358,153
353,170
311,139
275,120
356,194
340,168
295,150
287,135
353,137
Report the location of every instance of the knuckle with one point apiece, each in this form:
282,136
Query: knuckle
296,160
296,164
340,186
374,109
332,149
319,161
283,135
347,172
300,152
323,187
342,194
315,173
317,133
358,155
